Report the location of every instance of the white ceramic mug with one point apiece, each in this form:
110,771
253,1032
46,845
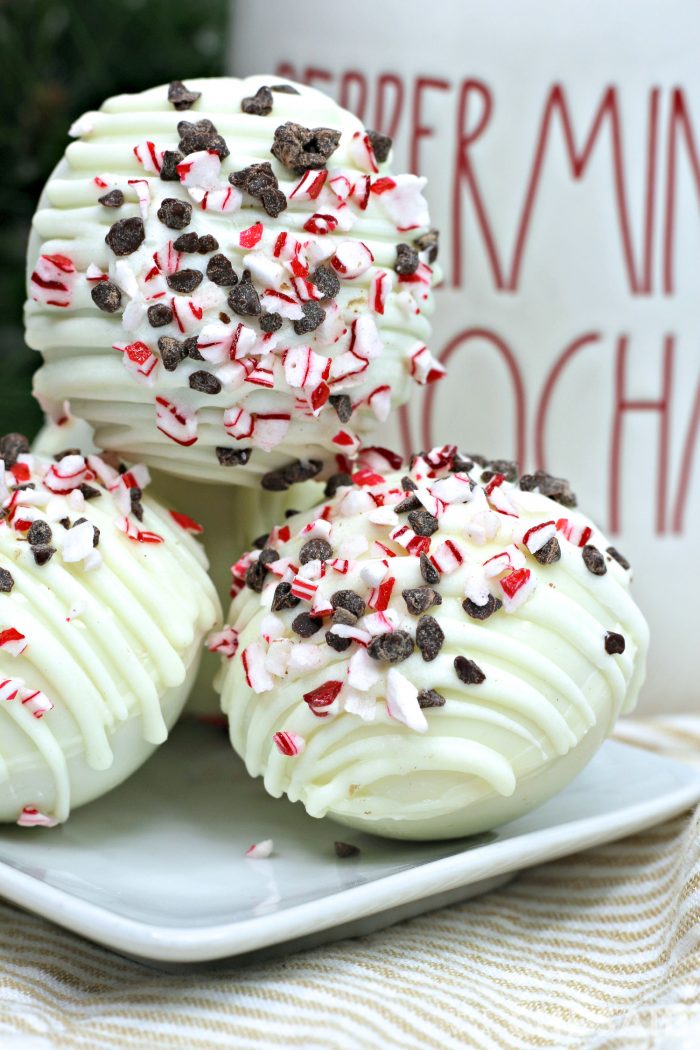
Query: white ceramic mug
562,146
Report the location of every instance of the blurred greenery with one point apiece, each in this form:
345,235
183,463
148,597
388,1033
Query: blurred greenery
59,58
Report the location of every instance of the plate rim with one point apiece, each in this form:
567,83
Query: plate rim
176,944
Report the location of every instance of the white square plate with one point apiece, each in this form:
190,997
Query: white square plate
157,869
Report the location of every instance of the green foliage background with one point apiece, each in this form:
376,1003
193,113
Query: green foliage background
59,58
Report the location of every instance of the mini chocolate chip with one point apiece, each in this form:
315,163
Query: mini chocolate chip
350,600
393,647
422,522
39,533
243,298
407,260
430,698
65,522
614,643
345,849
274,481
172,352
482,612
174,213
428,570
43,554
290,512
233,457
337,643
408,484
429,637
7,581
557,489
283,597
58,456
335,482
255,179
428,242
418,599
184,281
619,558
259,104
302,470
224,318
159,314
271,322
481,460
314,315
410,503
327,282
594,560
106,296
207,244
284,89
506,467
468,672
191,349
461,464
268,555
315,549
549,552
221,272
273,201
306,625
202,135
89,492
187,242
205,382
168,168
181,97
255,576
381,144
95,530
344,617
299,148
342,405
113,199
261,541
126,236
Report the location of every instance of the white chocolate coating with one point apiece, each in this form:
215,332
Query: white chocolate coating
498,747
76,338
112,641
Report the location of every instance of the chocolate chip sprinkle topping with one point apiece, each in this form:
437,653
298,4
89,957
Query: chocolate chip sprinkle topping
314,315
300,149
284,89
201,135
180,97
7,581
337,643
260,181
594,560
430,637
381,144
418,599
428,570
39,533
95,530
221,272
89,492
232,457
422,522
106,296
186,242
271,322
614,643
407,260
168,168
619,558
468,672
12,446
243,298
255,575
549,552
315,549
283,597
428,243
327,282
345,849
408,484
158,315
410,503
42,555
259,104
172,352
350,600
306,625
557,489
126,236
335,482
205,382
184,281
430,698
343,407
507,467
481,612
174,213
113,199
393,647
292,474
344,616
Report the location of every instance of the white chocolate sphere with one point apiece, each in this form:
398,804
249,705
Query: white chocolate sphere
99,645
256,394
440,719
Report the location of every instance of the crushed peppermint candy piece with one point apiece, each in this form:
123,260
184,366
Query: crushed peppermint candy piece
260,850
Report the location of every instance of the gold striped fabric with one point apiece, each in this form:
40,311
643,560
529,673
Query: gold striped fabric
599,950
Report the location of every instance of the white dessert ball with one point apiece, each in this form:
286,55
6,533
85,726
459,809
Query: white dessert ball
105,605
430,653
226,281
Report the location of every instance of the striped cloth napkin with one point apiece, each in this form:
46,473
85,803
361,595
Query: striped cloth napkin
599,950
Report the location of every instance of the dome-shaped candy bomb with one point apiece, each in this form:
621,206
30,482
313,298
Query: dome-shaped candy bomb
430,653
226,281
104,607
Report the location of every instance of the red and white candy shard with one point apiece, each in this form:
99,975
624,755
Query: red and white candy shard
367,340
423,674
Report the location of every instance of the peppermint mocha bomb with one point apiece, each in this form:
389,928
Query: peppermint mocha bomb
433,652
226,281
